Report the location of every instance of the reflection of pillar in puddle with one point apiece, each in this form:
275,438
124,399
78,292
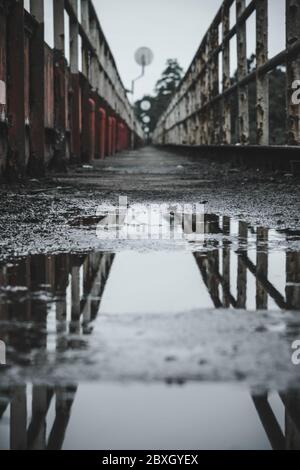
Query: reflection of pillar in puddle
293,280
18,419
242,269
291,402
61,278
261,267
61,282
75,296
3,303
39,309
50,272
226,262
37,428
64,401
212,276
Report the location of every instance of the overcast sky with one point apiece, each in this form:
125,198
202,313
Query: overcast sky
171,28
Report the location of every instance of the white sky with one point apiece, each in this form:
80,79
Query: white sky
171,28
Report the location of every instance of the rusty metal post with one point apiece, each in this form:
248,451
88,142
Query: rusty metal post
60,91
243,101
204,92
209,89
216,118
85,16
37,92
85,23
293,71
74,68
226,75
85,133
16,90
262,81
94,72
59,25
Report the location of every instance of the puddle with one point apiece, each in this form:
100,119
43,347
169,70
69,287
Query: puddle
155,416
224,309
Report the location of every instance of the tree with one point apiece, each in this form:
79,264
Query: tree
170,78
164,90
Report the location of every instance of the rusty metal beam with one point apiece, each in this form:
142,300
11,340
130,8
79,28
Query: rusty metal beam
16,90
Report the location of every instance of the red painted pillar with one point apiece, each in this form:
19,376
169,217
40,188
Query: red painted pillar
92,133
85,92
114,136
120,137
109,137
102,133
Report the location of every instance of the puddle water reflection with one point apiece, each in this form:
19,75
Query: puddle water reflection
139,416
50,312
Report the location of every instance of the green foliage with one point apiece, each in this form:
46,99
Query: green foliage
164,89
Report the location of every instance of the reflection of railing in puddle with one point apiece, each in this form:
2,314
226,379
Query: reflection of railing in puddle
84,278
77,284
46,429
281,439
35,436
216,273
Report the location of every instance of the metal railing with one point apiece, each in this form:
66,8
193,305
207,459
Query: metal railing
51,110
200,112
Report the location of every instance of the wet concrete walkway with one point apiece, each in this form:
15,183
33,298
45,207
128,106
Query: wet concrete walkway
163,316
